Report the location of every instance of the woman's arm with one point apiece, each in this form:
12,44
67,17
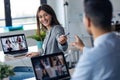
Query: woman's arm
61,38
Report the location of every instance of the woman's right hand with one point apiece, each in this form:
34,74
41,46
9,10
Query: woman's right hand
32,54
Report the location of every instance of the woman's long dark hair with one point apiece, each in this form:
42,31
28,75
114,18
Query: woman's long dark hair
51,12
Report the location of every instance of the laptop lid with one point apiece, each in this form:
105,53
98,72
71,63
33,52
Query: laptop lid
13,44
50,67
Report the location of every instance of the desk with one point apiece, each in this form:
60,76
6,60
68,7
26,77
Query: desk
73,56
17,61
22,60
33,78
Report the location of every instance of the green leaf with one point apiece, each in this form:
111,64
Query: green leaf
5,71
37,37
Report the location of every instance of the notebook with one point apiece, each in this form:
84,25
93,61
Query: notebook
50,67
14,45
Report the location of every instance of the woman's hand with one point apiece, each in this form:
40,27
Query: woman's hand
32,54
62,39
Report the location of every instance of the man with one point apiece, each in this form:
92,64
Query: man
102,62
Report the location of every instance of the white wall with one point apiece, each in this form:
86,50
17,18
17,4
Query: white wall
116,8
75,13
58,7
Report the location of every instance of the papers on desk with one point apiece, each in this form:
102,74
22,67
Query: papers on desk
2,56
33,78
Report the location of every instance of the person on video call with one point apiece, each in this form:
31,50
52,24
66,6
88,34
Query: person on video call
9,45
101,62
55,40
45,74
19,43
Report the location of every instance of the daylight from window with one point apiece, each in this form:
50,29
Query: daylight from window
23,12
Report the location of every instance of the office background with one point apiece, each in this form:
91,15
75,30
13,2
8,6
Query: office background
69,13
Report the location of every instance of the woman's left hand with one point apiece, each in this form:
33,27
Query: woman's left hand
62,39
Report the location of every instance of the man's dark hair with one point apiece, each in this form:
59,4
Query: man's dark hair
99,12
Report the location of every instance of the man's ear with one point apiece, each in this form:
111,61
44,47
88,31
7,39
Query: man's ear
88,21
88,24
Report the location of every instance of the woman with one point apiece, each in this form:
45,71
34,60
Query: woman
45,74
9,45
55,40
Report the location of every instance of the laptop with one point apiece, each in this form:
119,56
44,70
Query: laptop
14,45
50,67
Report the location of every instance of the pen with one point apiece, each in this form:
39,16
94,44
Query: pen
67,34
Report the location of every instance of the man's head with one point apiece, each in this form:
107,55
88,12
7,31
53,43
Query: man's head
98,13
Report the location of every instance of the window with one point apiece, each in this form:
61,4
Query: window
23,12
2,14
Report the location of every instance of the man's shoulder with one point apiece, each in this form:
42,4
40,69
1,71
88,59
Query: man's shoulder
93,54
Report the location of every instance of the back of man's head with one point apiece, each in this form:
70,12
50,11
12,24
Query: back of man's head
99,12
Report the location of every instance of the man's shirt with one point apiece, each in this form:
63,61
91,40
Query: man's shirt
102,62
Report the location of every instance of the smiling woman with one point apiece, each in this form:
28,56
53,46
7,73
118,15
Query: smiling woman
55,40
45,18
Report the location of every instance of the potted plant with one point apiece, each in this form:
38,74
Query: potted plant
39,37
5,71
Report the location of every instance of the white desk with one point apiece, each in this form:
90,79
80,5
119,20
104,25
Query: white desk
73,56
21,61
17,61
33,78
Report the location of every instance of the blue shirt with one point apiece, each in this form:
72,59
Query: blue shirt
102,62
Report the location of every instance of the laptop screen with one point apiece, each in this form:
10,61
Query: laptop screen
50,67
14,43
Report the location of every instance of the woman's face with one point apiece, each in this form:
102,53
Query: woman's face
45,18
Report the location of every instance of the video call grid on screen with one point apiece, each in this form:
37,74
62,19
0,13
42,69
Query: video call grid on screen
53,67
13,43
